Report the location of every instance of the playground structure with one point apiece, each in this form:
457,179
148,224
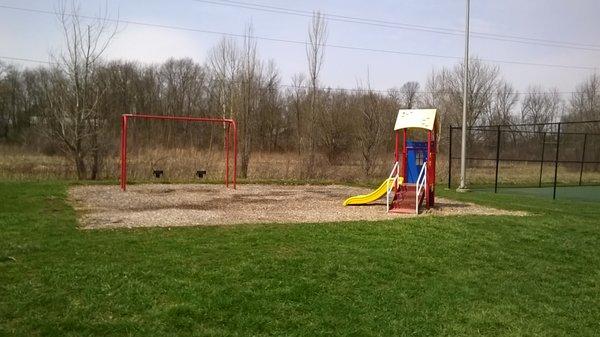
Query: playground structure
230,129
412,178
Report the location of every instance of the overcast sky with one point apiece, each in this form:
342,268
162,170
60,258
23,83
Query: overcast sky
33,36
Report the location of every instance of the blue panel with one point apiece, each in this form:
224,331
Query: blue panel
416,156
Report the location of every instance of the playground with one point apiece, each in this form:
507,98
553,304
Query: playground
409,189
229,258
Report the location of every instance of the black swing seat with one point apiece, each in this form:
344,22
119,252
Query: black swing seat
200,173
158,173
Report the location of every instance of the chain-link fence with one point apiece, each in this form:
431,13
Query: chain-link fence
542,158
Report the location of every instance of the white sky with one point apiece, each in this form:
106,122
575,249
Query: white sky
33,36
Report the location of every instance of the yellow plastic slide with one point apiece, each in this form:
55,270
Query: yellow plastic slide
368,198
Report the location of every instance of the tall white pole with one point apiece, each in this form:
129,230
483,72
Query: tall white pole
463,147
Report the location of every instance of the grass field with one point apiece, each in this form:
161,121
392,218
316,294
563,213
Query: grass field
584,193
454,276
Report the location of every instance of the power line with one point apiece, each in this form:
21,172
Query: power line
405,26
297,42
22,59
425,92
459,31
291,86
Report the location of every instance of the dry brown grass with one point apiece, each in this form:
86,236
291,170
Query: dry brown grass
524,173
17,163
180,165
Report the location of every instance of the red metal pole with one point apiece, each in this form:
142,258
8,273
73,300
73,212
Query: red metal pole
428,187
397,146
404,154
235,152
123,152
433,159
121,162
181,118
226,154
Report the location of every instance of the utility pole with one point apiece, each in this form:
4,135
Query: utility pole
463,148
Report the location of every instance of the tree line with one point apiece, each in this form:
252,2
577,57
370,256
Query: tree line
72,106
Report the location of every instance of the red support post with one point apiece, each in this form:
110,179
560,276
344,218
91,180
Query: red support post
235,152
428,175
397,146
404,154
123,152
121,162
433,167
226,154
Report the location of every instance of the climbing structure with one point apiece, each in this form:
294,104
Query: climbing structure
413,173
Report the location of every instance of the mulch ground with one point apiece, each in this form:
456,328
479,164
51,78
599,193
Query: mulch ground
167,205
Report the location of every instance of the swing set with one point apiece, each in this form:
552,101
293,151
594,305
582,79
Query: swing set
230,127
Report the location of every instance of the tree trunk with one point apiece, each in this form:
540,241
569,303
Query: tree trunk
312,134
245,160
96,164
80,165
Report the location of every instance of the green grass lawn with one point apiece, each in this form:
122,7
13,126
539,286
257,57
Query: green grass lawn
585,193
460,276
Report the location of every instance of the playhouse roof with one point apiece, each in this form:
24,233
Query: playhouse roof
416,118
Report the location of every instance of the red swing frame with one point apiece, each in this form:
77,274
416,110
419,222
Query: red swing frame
230,127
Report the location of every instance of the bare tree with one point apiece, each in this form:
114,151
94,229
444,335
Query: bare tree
445,91
223,64
370,127
334,125
540,107
269,120
12,102
585,103
73,118
409,95
250,75
502,106
223,61
298,95
4,104
183,81
315,53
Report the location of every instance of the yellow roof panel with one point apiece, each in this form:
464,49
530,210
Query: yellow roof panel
415,118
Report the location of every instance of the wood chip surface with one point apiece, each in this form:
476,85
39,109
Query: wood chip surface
169,205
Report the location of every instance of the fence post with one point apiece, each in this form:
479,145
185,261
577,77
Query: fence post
582,158
450,159
542,162
497,161
556,162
